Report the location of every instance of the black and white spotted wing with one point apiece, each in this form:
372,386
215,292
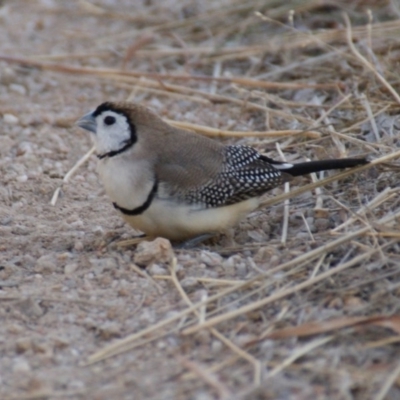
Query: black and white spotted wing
245,174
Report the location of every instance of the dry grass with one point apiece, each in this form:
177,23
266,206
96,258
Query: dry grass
303,300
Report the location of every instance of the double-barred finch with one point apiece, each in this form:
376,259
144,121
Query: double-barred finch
177,184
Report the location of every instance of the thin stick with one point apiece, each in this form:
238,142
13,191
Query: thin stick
369,30
214,281
214,132
382,342
335,138
146,276
286,203
363,121
134,241
281,294
298,354
318,266
371,119
70,173
319,204
167,93
387,194
365,62
207,376
70,69
201,315
327,112
216,367
308,228
391,379
216,74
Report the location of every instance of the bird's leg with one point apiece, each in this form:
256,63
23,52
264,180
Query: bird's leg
189,244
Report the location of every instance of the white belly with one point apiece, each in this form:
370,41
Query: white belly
178,222
164,217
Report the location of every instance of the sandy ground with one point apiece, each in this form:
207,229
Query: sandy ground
68,290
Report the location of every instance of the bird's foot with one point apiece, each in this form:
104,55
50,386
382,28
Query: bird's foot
191,243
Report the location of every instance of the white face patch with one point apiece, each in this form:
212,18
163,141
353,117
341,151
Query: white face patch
113,132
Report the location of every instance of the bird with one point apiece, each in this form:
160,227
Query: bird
177,184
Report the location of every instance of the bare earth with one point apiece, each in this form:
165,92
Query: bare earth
69,289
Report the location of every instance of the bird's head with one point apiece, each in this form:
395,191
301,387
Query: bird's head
113,128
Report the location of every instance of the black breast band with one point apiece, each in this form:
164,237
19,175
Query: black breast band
139,210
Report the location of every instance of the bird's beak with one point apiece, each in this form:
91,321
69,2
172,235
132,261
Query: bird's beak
88,122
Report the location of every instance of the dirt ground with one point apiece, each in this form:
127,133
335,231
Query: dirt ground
302,301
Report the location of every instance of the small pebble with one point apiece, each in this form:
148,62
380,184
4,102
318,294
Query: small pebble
322,224
22,178
21,365
157,251
70,268
100,265
16,88
7,75
23,344
257,235
41,347
241,269
161,344
263,254
210,258
78,245
10,119
60,343
303,235
37,389
216,346
15,329
156,269
203,396
46,264
31,308
189,283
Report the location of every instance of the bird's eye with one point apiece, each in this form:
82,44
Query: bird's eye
109,120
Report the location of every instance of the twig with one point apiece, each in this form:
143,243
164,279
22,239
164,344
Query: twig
214,132
318,266
365,62
387,194
286,203
390,380
308,228
363,121
214,281
201,315
371,119
207,376
297,354
70,173
70,69
146,276
281,294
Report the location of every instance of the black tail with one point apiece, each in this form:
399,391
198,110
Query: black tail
323,165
